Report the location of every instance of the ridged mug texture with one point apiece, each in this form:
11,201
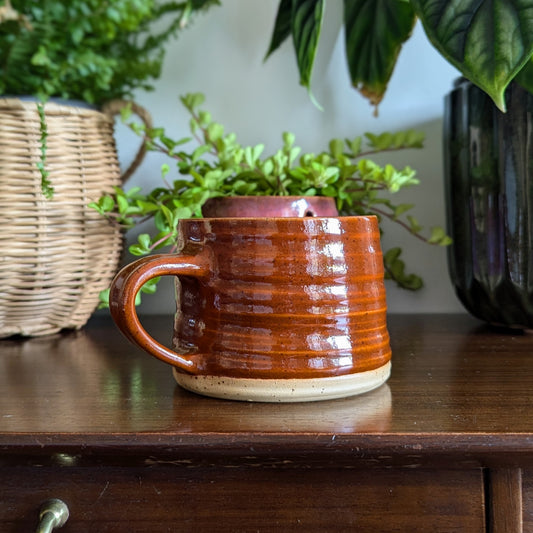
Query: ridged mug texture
285,298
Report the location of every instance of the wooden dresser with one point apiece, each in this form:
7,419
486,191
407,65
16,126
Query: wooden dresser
446,445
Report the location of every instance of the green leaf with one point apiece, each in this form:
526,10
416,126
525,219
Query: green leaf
126,112
122,203
150,286
414,139
192,101
106,203
336,147
182,212
77,35
414,225
137,128
204,118
382,141
144,240
489,41
306,24
293,154
137,250
199,152
355,145
329,191
288,139
395,270
401,209
133,192
525,76
143,245
214,131
257,151
252,154
40,58
438,236
268,167
167,214
374,32
282,26
147,207
103,299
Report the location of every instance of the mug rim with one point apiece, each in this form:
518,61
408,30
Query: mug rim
272,198
266,218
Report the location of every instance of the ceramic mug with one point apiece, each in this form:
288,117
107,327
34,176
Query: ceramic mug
269,309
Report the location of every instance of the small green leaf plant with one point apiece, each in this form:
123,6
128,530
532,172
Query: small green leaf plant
87,50
219,166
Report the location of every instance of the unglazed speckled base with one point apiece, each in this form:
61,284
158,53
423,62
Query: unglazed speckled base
284,390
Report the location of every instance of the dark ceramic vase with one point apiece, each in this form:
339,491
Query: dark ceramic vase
488,160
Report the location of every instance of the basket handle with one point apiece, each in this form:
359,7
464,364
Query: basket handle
113,108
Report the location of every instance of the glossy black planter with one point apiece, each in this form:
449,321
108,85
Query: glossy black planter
489,193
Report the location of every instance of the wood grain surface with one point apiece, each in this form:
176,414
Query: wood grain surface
445,445
456,386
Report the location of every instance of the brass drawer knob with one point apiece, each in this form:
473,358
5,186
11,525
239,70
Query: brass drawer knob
53,513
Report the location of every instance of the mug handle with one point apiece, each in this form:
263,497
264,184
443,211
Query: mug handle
127,284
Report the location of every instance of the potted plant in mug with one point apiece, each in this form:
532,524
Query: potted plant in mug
488,117
220,169
56,154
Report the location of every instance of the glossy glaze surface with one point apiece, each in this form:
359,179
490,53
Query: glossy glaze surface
270,206
489,189
269,298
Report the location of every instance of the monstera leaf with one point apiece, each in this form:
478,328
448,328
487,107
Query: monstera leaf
489,41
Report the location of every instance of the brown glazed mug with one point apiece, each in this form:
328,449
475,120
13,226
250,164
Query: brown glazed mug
269,309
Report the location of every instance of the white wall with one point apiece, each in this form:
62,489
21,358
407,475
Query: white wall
221,55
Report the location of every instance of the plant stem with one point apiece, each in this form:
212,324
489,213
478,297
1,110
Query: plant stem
201,141
380,151
397,221
46,186
160,241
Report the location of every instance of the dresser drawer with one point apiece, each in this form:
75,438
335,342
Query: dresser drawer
240,499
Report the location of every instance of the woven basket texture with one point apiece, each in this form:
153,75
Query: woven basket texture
55,255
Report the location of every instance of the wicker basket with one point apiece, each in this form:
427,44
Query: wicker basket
55,255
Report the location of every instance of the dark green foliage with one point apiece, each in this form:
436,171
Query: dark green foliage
489,41
90,50
375,33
